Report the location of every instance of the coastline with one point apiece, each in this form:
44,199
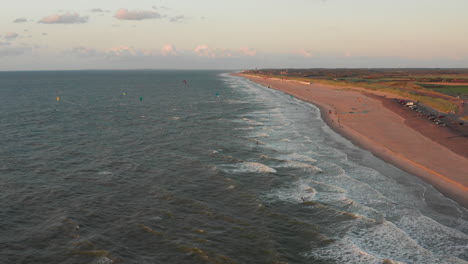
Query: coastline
392,133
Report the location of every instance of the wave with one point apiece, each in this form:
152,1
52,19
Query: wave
345,251
254,167
365,238
256,141
104,173
298,165
431,234
299,193
252,122
297,157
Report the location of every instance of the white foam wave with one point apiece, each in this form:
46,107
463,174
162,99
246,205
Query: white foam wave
262,135
345,251
362,240
235,102
431,234
298,165
254,167
244,128
298,193
252,122
103,260
104,173
297,157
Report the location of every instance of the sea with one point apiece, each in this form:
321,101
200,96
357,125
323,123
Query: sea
162,166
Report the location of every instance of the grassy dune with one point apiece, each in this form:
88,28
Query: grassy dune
409,90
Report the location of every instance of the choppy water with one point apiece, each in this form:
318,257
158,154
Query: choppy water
217,171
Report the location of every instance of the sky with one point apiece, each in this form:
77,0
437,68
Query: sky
232,34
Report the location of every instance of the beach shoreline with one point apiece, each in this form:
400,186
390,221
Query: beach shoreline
389,131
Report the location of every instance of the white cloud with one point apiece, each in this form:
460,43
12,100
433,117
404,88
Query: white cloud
125,14
20,20
248,52
177,19
126,51
306,53
6,52
10,36
98,10
67,18
168,49
206,51
85,52
122,50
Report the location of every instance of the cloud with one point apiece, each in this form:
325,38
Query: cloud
306,53
177,19
67,18
168,49
206,51
127,51
248,52
20,20
10,36
121,51
85,52
124,14
98,10
6,52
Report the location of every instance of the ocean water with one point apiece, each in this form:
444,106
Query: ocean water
139,167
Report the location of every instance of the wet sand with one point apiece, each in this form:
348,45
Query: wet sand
390,131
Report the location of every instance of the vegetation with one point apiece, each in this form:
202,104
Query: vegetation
452,90
423,85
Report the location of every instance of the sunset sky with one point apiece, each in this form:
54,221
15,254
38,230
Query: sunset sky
212,34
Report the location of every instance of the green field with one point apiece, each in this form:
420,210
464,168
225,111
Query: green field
452,90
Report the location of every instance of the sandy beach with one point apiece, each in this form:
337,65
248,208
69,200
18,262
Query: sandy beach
393,133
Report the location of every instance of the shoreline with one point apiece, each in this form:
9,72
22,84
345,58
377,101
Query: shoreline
389,131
